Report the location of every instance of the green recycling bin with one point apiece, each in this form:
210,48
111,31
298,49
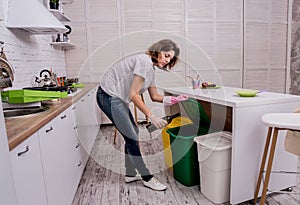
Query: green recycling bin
183,147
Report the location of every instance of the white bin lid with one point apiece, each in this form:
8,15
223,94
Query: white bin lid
217,141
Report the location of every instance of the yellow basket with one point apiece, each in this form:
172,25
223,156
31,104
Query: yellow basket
176,122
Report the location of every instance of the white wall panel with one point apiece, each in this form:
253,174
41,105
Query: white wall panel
257,10
230,78
256,79
200,10
229,10
167,10
241,39
136,10
104,10
278,47
229,46
76,11
256,44
265,41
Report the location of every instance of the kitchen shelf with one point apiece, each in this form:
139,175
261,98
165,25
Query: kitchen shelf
59,15
63,45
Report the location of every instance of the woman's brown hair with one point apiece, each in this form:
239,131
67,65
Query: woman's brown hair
165,45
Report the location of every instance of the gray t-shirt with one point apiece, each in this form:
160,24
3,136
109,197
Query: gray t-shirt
118,79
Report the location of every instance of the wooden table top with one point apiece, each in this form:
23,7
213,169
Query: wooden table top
20,128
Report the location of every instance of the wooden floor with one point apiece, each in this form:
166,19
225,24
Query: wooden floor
102,183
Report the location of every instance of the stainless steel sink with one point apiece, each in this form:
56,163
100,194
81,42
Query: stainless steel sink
19,112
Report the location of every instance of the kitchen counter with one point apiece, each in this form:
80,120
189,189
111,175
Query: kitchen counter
242,117
20,128
227,96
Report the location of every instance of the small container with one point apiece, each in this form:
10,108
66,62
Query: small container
58,81
196,84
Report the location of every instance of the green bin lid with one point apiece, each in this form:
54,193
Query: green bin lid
195,111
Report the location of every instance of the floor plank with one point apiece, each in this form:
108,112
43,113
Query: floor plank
102,182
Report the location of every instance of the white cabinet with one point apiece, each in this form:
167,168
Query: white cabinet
86,121
54,158
47,167
74,156
28,173
7,191
62,162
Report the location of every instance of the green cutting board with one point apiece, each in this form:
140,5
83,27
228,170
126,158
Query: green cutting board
26,99
77,85
33,93
26,96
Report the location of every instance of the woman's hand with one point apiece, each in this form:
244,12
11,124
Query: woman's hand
157,121
171,100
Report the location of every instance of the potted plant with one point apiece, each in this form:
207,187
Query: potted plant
54,4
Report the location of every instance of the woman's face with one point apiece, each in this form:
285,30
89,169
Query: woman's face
164,58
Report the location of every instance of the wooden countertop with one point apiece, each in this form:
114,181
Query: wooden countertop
20,128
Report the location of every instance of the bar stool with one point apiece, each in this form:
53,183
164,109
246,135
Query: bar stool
275,122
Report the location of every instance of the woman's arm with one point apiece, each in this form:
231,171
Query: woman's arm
135,97
154,95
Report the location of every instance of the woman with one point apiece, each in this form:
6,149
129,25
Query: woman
123,83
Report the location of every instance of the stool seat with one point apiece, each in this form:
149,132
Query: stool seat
275,123
282,120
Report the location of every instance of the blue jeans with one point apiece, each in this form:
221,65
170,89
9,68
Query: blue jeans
119,113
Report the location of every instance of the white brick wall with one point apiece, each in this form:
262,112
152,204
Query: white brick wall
29,54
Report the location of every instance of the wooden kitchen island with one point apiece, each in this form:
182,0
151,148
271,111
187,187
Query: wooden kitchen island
242,117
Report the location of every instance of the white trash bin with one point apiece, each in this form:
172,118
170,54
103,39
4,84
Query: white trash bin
214,156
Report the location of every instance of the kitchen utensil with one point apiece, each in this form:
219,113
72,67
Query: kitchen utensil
6,74
65,35
45,79
72,80
6,70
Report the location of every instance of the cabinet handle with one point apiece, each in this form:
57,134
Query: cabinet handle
75,127
74,108
79,164
50,129
23,152
89,95
78,145
82,100
64,116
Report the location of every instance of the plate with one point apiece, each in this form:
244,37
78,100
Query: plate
247,93
215,87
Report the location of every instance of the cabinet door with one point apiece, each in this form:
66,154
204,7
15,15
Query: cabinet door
61,158
93,125
85,120
53,143
28,173
73,156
